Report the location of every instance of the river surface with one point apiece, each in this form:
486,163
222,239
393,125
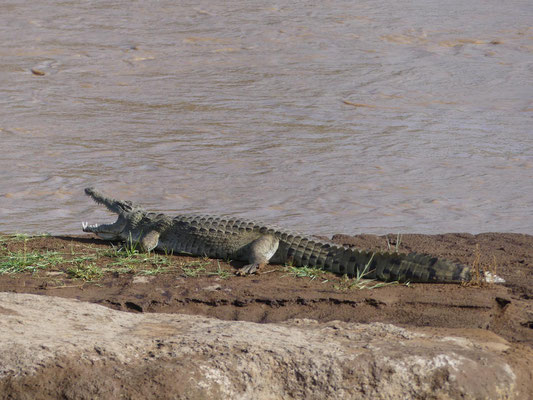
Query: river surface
324,116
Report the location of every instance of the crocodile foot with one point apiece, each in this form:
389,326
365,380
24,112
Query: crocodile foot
248,269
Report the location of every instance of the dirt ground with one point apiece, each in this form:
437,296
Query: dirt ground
89,269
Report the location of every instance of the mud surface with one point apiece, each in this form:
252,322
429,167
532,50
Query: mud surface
206,287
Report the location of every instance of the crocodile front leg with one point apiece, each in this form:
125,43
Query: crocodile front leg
149,240
260,251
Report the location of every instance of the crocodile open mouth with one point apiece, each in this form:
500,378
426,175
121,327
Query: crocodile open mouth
105,231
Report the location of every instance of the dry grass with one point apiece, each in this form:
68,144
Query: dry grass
480,269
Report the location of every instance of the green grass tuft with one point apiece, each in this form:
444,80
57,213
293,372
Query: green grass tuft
24,261
87,273
396,245
16,237
305,272
194,269
222,274
360,282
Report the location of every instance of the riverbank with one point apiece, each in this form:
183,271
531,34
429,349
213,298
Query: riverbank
90,270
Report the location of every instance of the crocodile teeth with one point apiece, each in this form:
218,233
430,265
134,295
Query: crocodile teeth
85,225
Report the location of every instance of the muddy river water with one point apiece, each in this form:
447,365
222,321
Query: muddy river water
326,116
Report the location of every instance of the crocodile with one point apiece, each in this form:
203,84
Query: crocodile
258,244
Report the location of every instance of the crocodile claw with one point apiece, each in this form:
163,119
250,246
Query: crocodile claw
248,269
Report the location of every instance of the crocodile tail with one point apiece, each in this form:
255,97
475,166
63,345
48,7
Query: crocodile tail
414,267
386,266
113,205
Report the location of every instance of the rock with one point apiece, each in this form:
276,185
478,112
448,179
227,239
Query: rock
37,72
58,348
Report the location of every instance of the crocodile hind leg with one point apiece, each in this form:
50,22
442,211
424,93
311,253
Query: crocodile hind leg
260,251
